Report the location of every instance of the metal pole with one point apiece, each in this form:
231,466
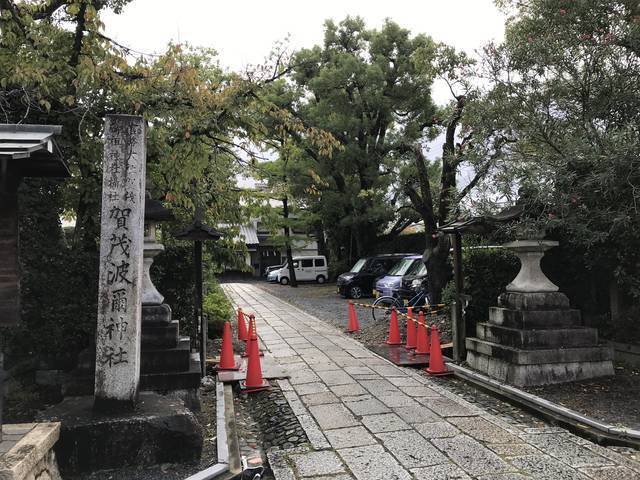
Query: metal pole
458,323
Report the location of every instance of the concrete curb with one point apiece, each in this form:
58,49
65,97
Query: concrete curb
574,421
228,456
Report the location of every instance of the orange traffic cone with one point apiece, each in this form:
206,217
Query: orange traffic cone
252,334
422,339
242,327
254,381
354,326
227,361
411,330
394,330
436,363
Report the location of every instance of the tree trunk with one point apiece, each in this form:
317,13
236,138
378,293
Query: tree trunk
435,258
287,233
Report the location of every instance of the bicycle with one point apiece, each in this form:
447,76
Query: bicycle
420,299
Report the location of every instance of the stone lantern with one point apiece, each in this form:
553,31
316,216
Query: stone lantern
533,336
154,212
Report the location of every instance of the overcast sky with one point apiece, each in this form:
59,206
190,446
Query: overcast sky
243,32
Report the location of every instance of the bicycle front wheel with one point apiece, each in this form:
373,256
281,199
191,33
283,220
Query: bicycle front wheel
383,313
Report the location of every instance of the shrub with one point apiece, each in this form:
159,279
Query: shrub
217,308
487,271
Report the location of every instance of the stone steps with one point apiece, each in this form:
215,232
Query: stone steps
159,335
163,360
534,319
166,381
538,339
539,356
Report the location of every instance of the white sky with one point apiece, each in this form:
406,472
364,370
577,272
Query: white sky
244,32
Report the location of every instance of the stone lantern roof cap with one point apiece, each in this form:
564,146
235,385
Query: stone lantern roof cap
155,211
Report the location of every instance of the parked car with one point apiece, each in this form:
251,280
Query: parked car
413,281
391,282
312,268
358,282
270,269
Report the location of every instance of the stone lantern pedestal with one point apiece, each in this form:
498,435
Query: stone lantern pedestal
533,336
167,361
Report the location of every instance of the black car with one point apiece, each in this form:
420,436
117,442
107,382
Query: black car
414,281
359,281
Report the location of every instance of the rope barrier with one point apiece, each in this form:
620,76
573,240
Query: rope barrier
432,313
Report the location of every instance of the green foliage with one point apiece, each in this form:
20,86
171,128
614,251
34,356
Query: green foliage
564,90
364,87
487,271
59,303
217,308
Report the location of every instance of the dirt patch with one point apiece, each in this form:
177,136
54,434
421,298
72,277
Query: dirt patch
613,400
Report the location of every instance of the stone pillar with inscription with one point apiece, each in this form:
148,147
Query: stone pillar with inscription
120,285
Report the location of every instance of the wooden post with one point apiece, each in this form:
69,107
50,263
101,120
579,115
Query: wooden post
200,326
457,320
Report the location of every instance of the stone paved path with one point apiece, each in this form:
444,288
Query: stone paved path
368,419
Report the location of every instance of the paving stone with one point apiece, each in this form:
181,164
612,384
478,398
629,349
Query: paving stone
404,381
309,388
398,400
314,434
333,416
543,467
323,366
416,414
436,430
317,463
280,467
372,462
344,476
483,430
380,387
411,449
446,407
299,376
386,422
504,476
362,370
513,449
447,471
611,473
367,406
420,391
348,390
563,448
471,456
387,370
350,437
336,377
319,398
347,361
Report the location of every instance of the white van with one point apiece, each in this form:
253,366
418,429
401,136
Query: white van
306,268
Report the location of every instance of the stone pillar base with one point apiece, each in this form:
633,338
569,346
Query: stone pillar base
536,339
26,451
161,430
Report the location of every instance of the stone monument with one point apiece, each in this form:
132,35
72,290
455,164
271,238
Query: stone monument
534,337
121,263
116,426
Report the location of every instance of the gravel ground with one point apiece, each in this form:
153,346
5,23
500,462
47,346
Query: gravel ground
613,400
323,302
